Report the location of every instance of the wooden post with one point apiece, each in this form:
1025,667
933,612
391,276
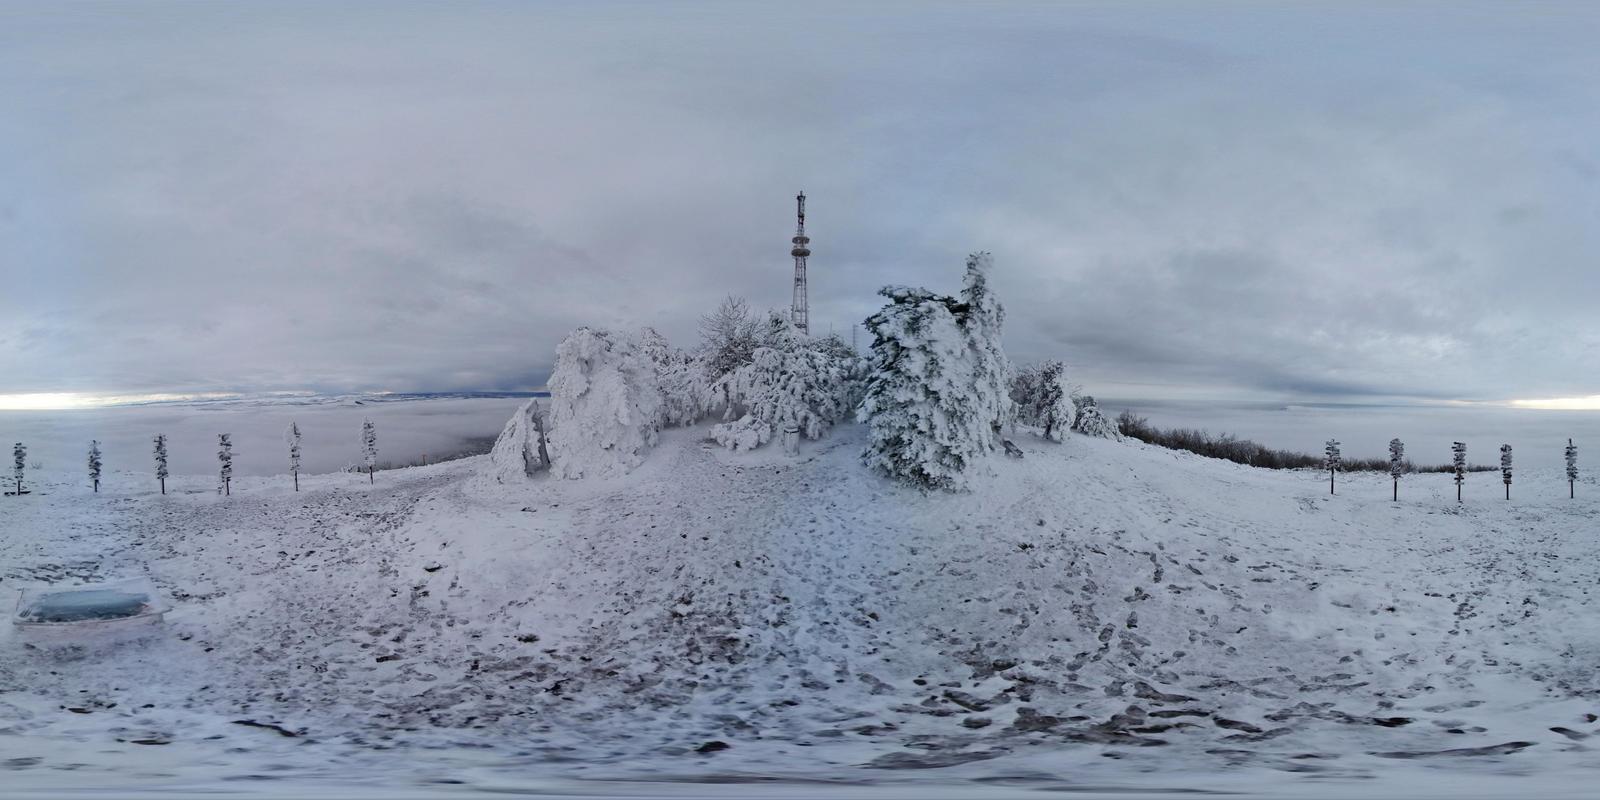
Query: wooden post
1330,481
370,479
163,485
297,480
227,487
1397,490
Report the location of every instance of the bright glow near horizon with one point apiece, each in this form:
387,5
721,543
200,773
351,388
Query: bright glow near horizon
1590,403
64,401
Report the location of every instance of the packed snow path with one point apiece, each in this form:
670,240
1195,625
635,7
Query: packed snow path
1096,611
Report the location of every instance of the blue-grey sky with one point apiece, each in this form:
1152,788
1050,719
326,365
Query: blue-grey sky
1316,201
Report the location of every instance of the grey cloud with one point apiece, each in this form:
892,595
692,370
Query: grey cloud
1337,200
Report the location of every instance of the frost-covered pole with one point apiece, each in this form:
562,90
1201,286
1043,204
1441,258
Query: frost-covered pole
1458,459
20,455
161,460
1572,469
369,447
1397,458
225,456
94,464
1505,467
292,436
1330,461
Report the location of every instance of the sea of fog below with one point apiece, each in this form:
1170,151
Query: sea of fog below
1538,437
412,429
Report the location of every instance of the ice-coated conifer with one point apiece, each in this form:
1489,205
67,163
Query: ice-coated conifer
291,436
1505,467
94,463
1331,459
1572,469
161,460
369,448
1458,462
1397,463
225,459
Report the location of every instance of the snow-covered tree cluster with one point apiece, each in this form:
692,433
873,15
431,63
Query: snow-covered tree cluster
938,390
19,457
1091,422
611,393
793,384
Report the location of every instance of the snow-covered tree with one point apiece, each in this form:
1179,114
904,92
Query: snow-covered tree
1572,469
19,456
369,448
1042,397
225,458
925,426
1505,467
1092,422
1458,461
802,387
520,451
161,460
94,463
685,390
291,436
605,405
982,324
1397,463
1331,459
728,337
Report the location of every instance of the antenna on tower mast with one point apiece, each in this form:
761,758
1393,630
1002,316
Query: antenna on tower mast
800,314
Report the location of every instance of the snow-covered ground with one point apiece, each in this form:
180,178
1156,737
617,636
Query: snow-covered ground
1095,616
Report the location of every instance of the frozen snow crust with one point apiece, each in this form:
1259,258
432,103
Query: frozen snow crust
1107,611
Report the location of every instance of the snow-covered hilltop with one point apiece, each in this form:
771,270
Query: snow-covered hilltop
1091,599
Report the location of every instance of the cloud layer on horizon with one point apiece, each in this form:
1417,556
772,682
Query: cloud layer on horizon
1328,202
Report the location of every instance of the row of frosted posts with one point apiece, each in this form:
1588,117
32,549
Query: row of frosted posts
369,446
1331,460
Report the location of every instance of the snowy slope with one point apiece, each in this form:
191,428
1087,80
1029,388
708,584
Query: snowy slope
1096,612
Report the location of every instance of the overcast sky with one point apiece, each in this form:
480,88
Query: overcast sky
1337,202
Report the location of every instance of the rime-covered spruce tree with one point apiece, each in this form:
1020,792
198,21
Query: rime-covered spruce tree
605,405
225,459
1055,411
161,460
1505,467
291,436
1331,459
19,459
1458,463
369,448
94,464
982,324
1091,422
1572,469
1397,464
925,427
